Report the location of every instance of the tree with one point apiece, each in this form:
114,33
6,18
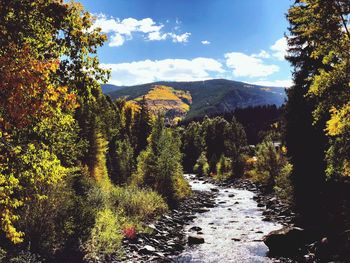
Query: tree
305,141
330,83
192,145
142,126
47,71
159,166
235,146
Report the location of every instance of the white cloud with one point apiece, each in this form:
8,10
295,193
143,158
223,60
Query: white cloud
154,36
179,38
262,54
279,48
248,66
168,69
116,40
274,83
122,30
205,42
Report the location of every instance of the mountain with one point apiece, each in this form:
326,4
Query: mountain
211,96
107,88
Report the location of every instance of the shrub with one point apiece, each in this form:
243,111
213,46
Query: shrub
283,185
202,167
272,170
105,237
138,203
130,232
223,168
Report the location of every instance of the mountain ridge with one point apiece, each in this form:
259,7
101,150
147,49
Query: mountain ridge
210,97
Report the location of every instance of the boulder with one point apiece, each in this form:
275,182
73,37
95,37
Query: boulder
285,241
192,240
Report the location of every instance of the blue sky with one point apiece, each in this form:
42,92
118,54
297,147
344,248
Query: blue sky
184,40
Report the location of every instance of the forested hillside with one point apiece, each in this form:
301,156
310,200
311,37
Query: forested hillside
212,96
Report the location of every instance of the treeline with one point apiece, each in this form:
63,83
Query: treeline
256,120
78,172
214,146
218,148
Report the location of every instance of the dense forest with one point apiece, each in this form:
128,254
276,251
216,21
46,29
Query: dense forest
80,172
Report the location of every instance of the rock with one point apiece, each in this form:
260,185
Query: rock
147,250
260,205
195,228
285,241
189,217
235,239
202,210
222,202
192,240
231,195
208,205
215,190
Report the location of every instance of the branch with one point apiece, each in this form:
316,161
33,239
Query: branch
342,18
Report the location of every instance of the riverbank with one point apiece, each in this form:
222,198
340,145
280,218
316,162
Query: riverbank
168,238
170,234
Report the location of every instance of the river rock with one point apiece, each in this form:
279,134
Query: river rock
195,228
192,240
147,249
285,241
202,210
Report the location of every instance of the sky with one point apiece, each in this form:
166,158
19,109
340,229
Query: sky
190,40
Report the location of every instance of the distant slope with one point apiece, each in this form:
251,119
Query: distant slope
107,88
212,96
163,99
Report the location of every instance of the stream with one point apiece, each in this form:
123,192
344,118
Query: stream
232,230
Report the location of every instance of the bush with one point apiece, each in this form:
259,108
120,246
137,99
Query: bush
283,185
201,168
272,169
223,168
106,237
137,203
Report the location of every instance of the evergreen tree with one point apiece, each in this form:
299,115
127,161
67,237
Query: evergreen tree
142,126
305,141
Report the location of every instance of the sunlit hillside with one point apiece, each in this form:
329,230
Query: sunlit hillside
163,99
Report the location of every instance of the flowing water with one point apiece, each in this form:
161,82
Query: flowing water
232,230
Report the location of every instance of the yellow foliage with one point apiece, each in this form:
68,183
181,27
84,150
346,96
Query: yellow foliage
163,98
338,121
161,93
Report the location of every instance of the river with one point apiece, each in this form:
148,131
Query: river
232,230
